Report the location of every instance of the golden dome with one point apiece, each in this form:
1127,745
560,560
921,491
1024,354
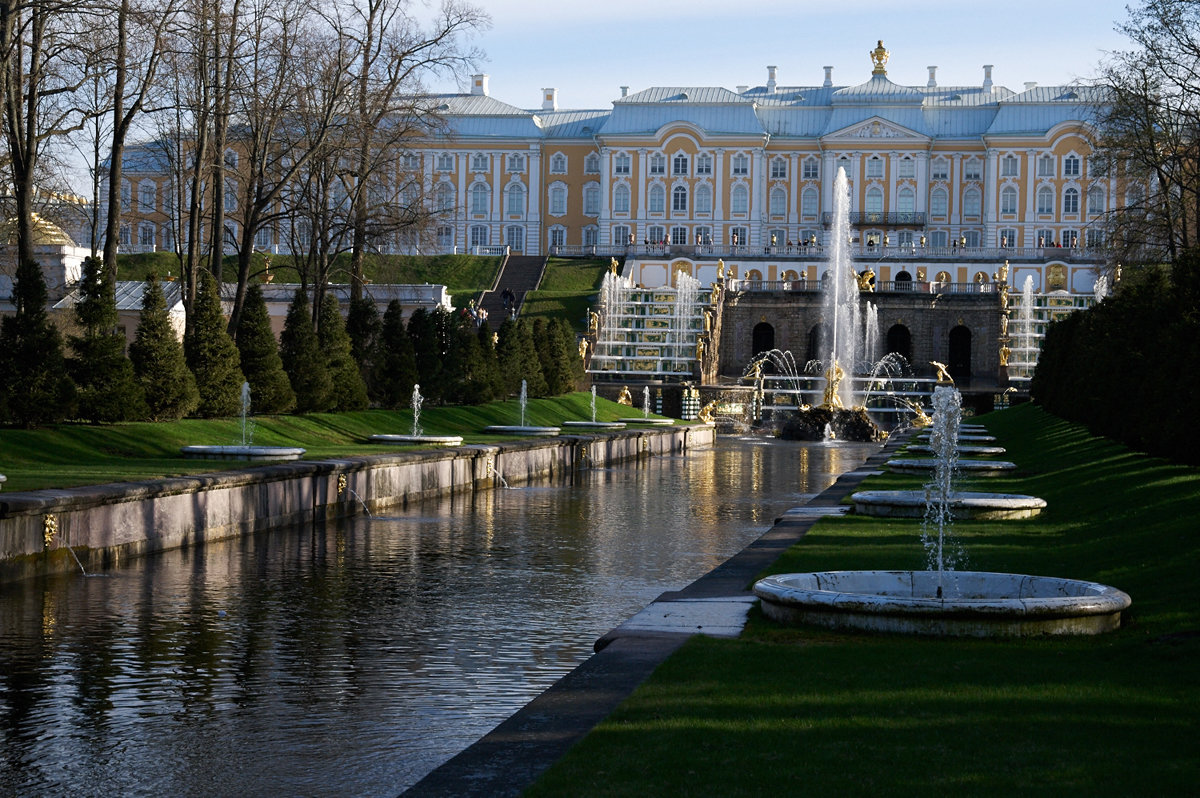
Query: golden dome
45,232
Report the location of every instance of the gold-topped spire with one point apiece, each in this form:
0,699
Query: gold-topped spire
879,57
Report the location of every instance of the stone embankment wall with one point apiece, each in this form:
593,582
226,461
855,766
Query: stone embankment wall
105,524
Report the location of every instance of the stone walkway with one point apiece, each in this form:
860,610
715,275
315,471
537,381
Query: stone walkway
512,756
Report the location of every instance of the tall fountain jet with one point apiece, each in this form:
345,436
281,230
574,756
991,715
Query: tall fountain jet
843,346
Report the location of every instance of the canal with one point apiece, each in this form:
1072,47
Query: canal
353,658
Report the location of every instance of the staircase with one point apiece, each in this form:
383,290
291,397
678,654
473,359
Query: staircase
520,274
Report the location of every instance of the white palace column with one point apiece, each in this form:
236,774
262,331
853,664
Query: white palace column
718,214
758,174
606,186
533,213
991,178
922,159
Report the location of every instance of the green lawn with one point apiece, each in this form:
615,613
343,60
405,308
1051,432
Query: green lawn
812,712
81,454
568,290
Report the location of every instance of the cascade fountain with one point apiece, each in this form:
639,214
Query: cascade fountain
941,601
244,450
1023,356
417,436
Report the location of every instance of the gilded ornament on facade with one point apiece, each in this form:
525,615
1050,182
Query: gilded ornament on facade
49,529
879,57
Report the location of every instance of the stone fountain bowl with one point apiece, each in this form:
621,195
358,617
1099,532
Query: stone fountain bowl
659,422
417,440
972,604
967,437
981,468
533,432
980,451
962,505
239,452
595,425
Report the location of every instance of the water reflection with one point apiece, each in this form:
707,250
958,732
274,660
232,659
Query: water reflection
354,658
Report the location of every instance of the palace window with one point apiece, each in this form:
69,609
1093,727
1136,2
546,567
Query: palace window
481,198
231,200
679,236
591,200
479,162
1045,166
591,164
622,164
658,164
125,236
704,164
591,235
1007,237
972,202
1071,166
263,238
1094,238
479,235
940,170
739,236
445,196
906,169
1008,201
1010,166
558,199
703,198
740,165
621,199
126,196
146,194
810,203
445,236
657,200
679,199
778,168
231,159
657,234
620,235
740,199
146,235
558,164
778,202
939,203
558,236
973,170
906,200
810,169
939,238
514,199
679,165
874,167
972,238
1071,200
445,162
514,237
516,163
874,203
1045,200
1095,201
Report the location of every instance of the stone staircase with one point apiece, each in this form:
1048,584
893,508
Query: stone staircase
520,274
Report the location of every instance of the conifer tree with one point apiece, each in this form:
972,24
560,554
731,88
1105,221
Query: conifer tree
567,365
108,390
303,360
489,362
158,362
426,329
364,327
508,357
530,365
395,368
36,388
212,355
270,389
349,390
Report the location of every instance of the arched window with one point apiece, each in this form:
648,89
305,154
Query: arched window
621,199
591,199
591,164
874,204
753,276
906,200
703,198
481,197
679,199
657,201
1008,200
939,202
810,203
445,196
789,276
778,204
1045,200
972,202
779,168
740,199
1071,200
558,163
1095,201
514,199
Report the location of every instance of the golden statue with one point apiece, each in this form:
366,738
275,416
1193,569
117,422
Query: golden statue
1004,324
866,280
612,266
1004,353
583,348
700,349
1002,275
879,57
706,412
593,321
921,275
626,398
721,269
833,377
943,374
920,419
1117,274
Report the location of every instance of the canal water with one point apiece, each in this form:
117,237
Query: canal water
353,658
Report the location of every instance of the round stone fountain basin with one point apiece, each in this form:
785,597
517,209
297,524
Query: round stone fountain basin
964,438
980,468
418,440
659,422
981,451
534,432
242,452
972,604
595,425
962,505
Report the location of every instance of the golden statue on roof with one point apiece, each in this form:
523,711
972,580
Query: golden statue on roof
879,57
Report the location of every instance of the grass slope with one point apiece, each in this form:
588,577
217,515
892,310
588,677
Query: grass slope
806,711
78,454
567,291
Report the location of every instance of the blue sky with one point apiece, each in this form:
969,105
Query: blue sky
587,51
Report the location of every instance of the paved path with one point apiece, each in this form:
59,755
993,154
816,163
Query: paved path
512,756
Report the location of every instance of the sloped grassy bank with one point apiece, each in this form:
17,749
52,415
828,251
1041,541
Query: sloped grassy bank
806,711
